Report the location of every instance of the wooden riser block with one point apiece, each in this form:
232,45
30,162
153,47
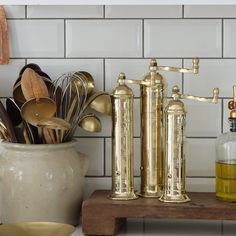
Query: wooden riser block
102,216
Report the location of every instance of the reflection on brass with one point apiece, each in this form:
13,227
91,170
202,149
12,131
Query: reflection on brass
122,142
153,93
36,229
174,153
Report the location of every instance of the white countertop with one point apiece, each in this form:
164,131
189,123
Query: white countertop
138,227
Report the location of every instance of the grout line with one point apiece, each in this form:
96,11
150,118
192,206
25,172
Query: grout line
125,19
222,227
129,58
26,12
104,157
104,11
182,11
64,38
182,77
222,115
222,38
104,74
143,38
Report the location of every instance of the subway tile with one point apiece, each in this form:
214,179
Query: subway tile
203,119
200,184
217,11
137,161
36,38
57,67
160,227
229,38
143,11
14,11
200,157
226,114
65,11
93,148
102,183
136,69
213,73
9,74
182,38
97,38
99,183
229,228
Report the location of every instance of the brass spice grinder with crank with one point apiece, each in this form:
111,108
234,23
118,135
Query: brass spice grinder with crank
174,164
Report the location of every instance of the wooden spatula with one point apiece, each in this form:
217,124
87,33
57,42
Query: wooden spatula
4,59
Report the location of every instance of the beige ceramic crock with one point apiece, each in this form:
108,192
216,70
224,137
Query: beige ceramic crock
41,182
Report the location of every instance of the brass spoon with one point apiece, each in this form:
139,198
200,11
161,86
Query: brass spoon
90,123
102,104
35,110
54,123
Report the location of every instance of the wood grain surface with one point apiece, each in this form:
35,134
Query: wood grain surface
102,216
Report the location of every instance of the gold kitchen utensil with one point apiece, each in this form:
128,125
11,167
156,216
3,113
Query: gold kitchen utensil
54,123
90,123
36,229
32,85
86,79
153,93
48,136
174,138
35,110
102,104
4,37
23,131
4,117
122,142
4,133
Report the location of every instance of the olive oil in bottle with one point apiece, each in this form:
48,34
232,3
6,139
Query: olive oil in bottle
226,181
226,158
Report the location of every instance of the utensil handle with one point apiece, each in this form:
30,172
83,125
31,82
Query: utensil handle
4,37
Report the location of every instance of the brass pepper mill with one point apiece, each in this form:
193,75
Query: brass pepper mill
174,156
122,142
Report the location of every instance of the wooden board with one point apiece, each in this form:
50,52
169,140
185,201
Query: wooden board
102,216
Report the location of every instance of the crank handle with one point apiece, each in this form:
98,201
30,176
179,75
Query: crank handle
214,98
194,69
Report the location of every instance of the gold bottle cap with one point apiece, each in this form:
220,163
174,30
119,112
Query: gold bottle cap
232,104
122,88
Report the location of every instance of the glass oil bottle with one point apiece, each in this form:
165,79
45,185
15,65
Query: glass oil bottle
226,158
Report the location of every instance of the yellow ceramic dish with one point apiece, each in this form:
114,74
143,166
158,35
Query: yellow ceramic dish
36,229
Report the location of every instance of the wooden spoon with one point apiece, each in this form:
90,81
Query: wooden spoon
32,85
4,37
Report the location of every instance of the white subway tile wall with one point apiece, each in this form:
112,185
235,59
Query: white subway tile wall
108,40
